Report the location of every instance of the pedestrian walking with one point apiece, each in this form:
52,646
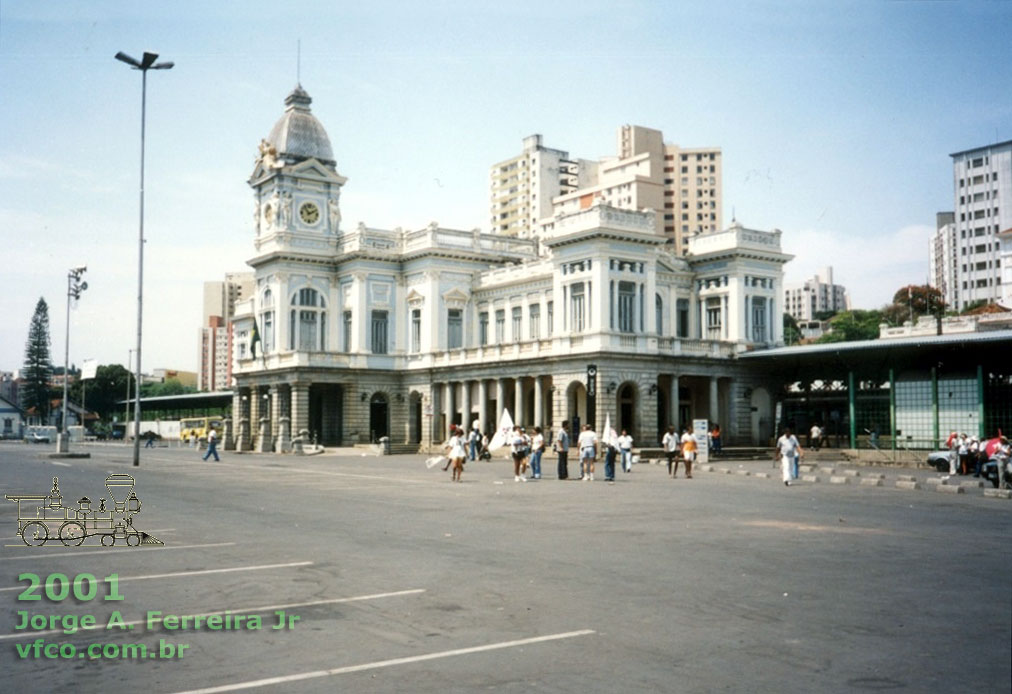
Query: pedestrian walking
610,453
519,451
587,444
670,445
787,448
212,445
474,439
457,454
715,439
688,451
537,448
561,448
625,445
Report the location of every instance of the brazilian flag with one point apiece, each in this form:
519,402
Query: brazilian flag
254,340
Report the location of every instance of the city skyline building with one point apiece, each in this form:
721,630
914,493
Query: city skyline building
818,294
682,185
215,358
970,251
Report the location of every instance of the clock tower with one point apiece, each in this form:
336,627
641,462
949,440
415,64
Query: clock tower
296,185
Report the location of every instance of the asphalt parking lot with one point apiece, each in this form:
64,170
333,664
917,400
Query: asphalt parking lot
403,581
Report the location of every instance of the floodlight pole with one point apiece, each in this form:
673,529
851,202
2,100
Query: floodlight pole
145,64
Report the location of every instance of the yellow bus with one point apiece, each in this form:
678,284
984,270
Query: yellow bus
198,427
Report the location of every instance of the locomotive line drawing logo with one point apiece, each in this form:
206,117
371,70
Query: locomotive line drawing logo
44,518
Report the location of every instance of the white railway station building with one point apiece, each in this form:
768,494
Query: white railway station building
365,333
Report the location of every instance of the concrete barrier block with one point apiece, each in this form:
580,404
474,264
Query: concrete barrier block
998,493
828,470
936,480
708,468
972,484
810,478
949,489
806,468
726,471
875,475
871,482
906,478
852,473
903,484
764,475
746,473
839,479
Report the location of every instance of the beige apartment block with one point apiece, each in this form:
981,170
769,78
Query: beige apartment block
682,185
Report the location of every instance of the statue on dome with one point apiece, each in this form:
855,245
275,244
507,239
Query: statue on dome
268,155
335,213
286,211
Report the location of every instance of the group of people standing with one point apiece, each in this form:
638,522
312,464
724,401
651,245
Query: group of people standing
683,447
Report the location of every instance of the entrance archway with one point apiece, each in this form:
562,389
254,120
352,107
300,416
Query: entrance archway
415,414
761,424
576,405
627,396
379,417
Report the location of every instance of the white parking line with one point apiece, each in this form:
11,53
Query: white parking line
251,684
57,462
235,610
202,572
105,550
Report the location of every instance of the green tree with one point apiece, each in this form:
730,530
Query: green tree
38,368
918,299
105,391
170,387
792,334
848,326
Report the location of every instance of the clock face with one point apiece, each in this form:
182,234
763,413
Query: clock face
269,214
309,213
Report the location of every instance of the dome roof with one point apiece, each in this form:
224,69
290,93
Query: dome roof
298,135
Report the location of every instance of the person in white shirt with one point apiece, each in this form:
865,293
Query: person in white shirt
520,450
787,448
537,448
670,445
689,448
625,444
815,437
457,452
587,444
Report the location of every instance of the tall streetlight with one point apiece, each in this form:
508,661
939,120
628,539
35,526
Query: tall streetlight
74,288
144,64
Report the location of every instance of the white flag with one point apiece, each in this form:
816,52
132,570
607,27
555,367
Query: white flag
503,433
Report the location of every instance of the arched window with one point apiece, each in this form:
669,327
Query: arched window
267,322
659,311
308,321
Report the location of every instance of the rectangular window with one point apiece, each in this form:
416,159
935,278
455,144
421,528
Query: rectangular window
500,326
454,328
483,328
518,313
308,330
268,336
682,307
379,332
416,330
626,307
346,330
713,318
534,317
576,307
550,316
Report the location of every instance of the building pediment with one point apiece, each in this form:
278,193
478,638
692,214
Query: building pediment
455,298
415,298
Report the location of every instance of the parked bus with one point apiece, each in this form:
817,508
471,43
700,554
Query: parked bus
198,427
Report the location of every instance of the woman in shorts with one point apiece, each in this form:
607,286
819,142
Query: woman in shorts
519,449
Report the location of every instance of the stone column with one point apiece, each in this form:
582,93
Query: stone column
275,414
243,432
254,416
518,400
500,400
714,405
465,406
539,403
283,444
448,410
230,443
673,403
300,409
482,405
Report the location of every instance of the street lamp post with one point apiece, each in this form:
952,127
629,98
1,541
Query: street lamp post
146,63
74,288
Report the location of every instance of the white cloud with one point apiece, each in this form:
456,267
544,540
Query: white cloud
872,268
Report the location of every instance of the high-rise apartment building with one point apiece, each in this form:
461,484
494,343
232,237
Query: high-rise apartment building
943,253
216,328
682,185
982,194
816,295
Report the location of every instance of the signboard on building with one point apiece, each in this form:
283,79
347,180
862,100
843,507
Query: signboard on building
700,427
591,395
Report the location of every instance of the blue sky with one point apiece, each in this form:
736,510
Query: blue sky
835,119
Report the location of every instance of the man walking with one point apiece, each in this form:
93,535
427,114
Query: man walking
212,445
788,447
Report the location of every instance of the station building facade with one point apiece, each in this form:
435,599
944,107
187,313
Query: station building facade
357,334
